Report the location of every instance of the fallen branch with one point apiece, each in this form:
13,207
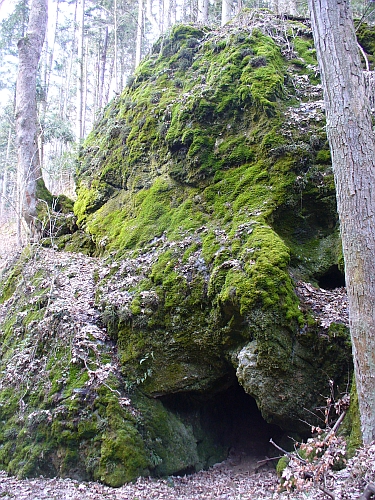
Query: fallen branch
287,453
335,427
266,460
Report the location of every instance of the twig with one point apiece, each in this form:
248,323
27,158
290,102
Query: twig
266,460
335,427
364,57
327,492
287,453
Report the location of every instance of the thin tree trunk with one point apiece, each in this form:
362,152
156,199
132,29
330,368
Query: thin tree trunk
4,186
226,11
172,12
151,17
352,145
29,48
116,48
138,47
85,90
80,85
106,97
202,11
284,7
70,70
161,16
103,61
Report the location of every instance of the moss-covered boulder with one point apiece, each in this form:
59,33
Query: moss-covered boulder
206,191
208,183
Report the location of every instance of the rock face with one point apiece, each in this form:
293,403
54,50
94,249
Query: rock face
207,190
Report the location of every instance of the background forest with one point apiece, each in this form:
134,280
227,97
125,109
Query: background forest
91,49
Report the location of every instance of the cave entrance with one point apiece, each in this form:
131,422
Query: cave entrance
332,278
229,420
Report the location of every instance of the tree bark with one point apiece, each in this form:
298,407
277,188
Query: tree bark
150,16
103,61
352,146
284,7
81,69
29,48
4,184
226,11
138,46
202,16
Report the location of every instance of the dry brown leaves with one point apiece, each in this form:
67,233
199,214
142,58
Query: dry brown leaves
220,482
327,306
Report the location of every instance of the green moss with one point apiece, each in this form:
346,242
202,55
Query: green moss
324,156
305,49
9,286
172,444
282,464
351,427
122,456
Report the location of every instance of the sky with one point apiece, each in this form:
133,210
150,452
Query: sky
6,7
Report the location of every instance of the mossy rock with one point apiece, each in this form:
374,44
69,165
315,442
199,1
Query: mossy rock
206,189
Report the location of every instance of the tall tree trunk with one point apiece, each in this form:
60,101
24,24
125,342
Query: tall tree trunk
85,90
110,77
202,16
116,46
29,48
103,61
172,12
352,145
138,47
4,186
64,110
284,6
80,83
226,11
150,16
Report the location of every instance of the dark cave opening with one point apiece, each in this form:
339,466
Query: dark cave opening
230,418
332,278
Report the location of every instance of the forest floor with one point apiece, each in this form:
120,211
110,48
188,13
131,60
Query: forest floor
245,477
223,481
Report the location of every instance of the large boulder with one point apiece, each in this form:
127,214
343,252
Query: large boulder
207,192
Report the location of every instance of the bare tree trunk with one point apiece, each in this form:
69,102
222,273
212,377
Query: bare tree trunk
80,85
202,11
103,61
4,186
116,45
64,110
85,89
352,145
284,6
226,11
29,48
172,12
151,17
138,47
106,96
